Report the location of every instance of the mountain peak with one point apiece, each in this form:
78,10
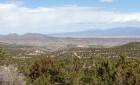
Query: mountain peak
31,33
13,34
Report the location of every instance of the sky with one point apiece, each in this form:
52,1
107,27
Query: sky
56,16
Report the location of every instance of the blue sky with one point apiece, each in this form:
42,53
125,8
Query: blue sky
119,5
53,16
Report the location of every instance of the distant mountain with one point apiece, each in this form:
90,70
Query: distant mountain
119,31
56,43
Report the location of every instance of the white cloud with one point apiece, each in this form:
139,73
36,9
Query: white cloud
14,18
107,0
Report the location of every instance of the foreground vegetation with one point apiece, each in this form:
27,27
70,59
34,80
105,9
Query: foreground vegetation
77,66
78,71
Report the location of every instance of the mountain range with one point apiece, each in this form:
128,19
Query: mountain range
55,43
119,31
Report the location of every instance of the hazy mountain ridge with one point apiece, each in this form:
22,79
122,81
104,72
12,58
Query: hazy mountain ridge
119,31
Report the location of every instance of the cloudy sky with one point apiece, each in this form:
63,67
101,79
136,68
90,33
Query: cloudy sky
54,16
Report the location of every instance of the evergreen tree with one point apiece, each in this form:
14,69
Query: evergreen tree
1,55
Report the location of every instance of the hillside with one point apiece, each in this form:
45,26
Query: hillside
75,62
131,49
25,53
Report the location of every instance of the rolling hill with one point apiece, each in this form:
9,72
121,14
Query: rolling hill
131,49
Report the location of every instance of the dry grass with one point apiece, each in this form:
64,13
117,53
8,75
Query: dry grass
9,75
